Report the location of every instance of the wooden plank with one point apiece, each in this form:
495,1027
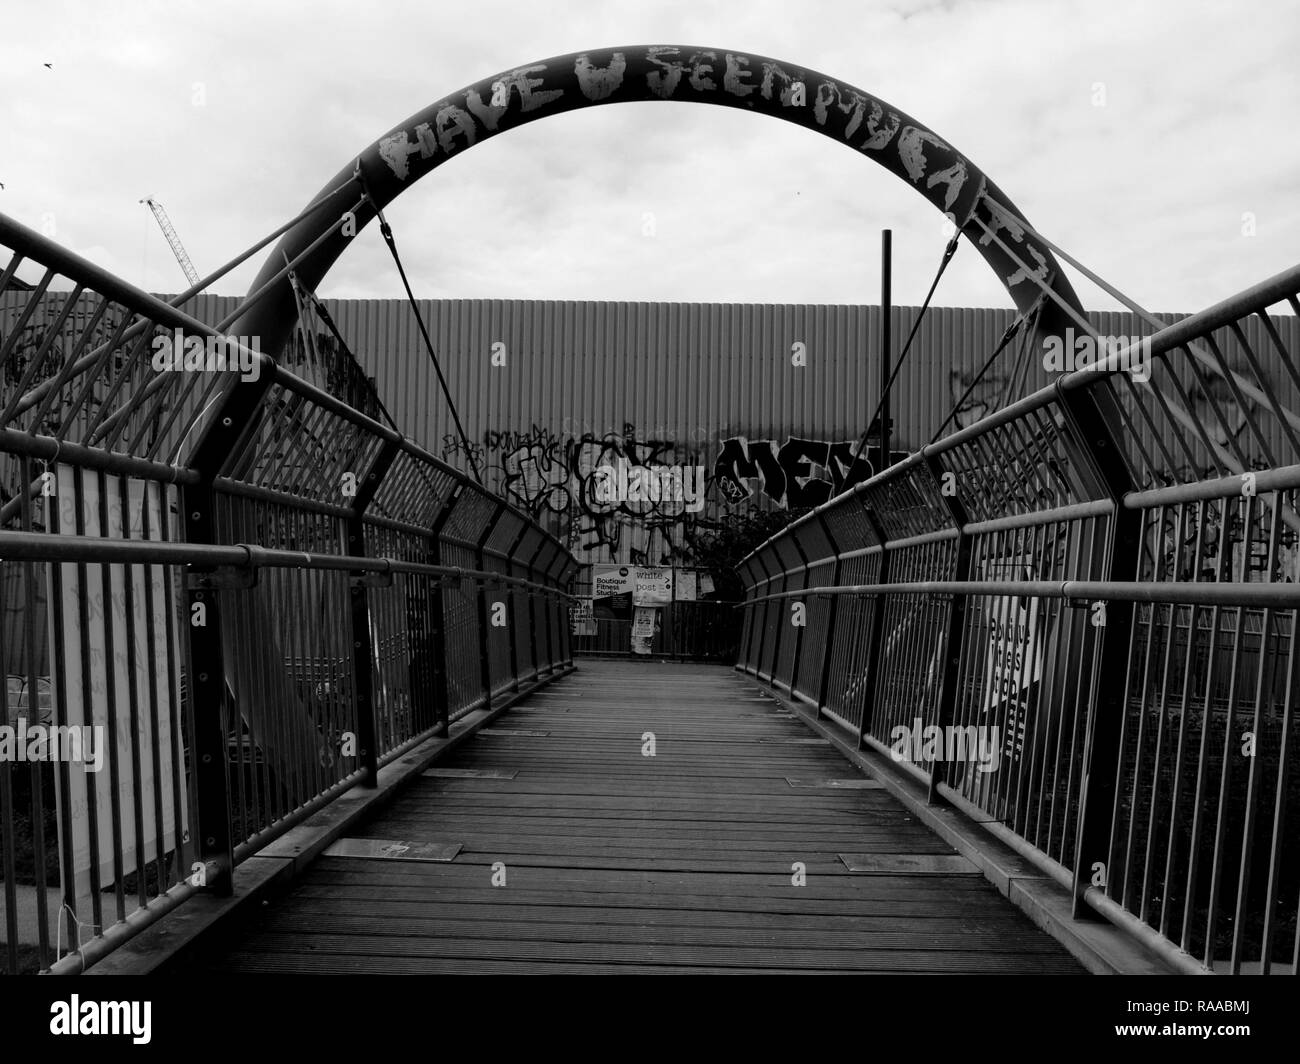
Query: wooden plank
397,948
882,863
834,784
480,773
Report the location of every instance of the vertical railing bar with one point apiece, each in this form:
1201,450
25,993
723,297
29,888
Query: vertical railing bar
35,769
484,636
1225,781
875,637
437,609
149,491
87,701
199,507
1252,775
1203,756
181,720
8,849
1060,621
364,707
110,703
1184,701
1275,872
799,633
1039,548
133,696
1154,801
832,607
1087,425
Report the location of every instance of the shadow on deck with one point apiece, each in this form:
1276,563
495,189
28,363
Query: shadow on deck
606,858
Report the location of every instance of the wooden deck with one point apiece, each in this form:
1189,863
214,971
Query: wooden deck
616,861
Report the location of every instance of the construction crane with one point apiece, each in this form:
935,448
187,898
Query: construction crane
169,231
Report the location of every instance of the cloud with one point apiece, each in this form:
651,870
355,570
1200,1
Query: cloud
235,115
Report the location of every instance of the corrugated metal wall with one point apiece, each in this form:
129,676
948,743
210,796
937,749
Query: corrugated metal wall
668,383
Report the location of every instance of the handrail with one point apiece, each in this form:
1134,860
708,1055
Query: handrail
1274,596
263,622
48,547
1124,626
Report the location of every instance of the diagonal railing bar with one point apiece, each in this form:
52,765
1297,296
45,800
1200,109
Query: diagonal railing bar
91,361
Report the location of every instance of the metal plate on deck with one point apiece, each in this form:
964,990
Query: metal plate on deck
471,773
393,850
909,864
842,785
510,731
794,742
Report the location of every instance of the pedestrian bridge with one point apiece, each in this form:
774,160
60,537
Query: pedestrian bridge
1025,701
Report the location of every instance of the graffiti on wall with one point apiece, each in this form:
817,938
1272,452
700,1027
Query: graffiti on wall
985,397
556,477
797,473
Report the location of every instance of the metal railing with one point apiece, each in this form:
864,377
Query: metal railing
1075,618
706,630
242,595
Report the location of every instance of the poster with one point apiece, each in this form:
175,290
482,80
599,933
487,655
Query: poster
645,626
582,617
654,584
685,590
705,584
610,580
1014,662
612,590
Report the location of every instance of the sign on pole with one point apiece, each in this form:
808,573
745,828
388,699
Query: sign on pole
654,583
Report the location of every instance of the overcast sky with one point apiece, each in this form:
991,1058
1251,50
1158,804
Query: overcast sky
1143,137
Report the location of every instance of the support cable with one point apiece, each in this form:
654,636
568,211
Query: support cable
307,298
324,315
1007,337
387,232
948,253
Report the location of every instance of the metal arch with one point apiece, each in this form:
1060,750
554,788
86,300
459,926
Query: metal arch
1022,261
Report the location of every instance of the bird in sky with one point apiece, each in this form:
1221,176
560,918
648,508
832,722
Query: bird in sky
49,66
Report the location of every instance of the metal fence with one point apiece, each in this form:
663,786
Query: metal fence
706,630
229,597
1075,618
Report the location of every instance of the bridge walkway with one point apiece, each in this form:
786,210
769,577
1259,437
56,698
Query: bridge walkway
720,848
